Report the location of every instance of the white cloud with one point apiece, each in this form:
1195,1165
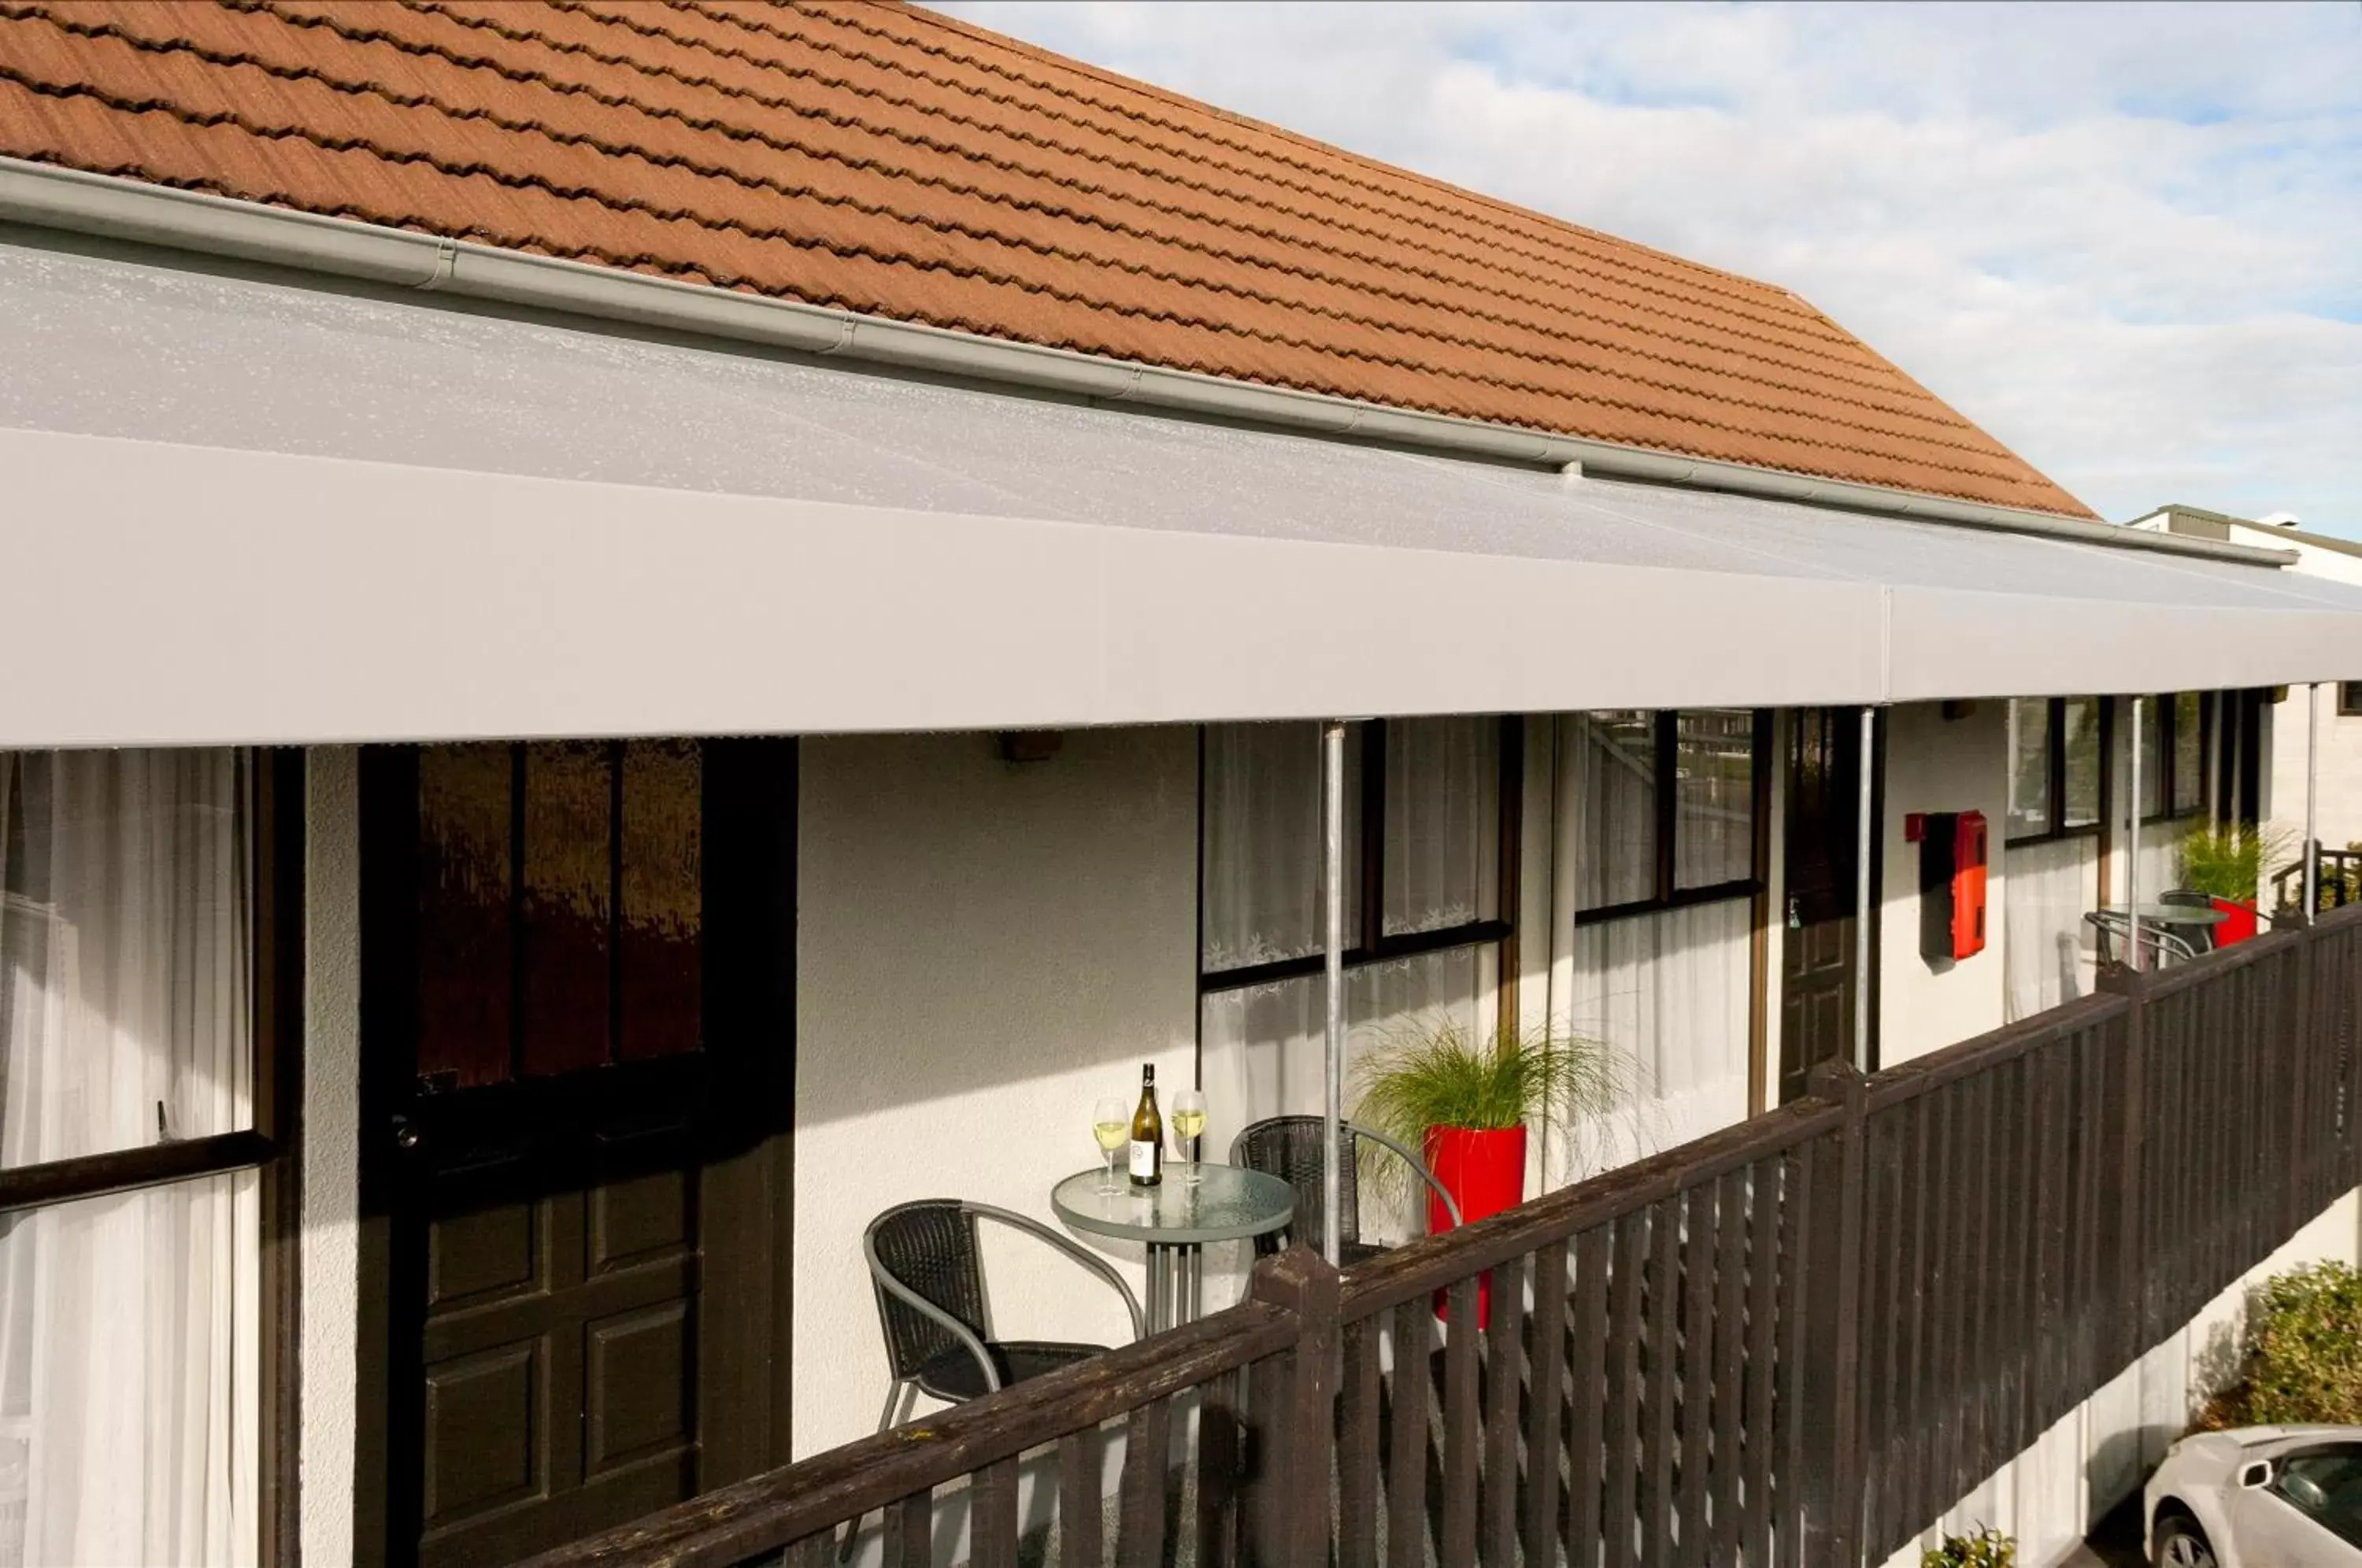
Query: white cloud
2127,240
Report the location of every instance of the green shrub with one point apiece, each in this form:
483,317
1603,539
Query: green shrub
1988,1548
2303,1358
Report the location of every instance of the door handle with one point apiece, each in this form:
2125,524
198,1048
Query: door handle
1795,913
405,1133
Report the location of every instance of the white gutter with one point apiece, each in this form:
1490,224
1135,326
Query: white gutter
50,197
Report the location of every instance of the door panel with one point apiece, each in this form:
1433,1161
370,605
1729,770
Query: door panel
583,1116
1822,831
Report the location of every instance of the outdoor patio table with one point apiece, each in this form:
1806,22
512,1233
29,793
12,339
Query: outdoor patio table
2195,915
1228,1203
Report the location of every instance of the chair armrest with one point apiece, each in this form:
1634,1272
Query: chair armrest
926,1309
1419,1166
1073,1249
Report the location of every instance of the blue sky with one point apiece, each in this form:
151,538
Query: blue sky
2126,239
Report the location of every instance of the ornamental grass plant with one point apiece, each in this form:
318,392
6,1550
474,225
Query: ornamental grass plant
1434,1072
2228,860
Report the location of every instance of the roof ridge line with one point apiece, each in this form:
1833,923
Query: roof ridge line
52,196
1757,293
1267,128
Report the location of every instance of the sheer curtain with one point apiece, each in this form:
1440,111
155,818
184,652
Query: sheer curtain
2046,888
1669,990
127,1322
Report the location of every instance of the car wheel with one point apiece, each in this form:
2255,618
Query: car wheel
2181,1544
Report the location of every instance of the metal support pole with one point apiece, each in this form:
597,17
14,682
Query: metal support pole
2132,842
1865,908
1332,790
2312,785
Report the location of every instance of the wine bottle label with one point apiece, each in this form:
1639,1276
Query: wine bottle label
1143,1159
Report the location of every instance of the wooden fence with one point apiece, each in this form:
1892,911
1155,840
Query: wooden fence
1790,1344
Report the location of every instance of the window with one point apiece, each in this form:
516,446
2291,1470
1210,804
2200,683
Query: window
1424,805
2174,731
2029,768
1641,846
1431,845
2055,752
2349,699
140,894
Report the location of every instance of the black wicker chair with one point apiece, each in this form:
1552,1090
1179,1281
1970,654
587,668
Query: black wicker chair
1289,1148
928,1270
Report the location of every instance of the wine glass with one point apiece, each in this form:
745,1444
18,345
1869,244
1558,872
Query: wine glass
1189,1125
1112,1125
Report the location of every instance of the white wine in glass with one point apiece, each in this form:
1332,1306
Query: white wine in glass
1188,1126
1112,1125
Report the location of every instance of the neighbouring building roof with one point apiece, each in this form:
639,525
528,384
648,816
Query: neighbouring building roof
888,160
2198,523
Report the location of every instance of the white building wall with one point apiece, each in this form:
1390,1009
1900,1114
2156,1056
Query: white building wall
2102,1452
2338,806
1938,764
983,948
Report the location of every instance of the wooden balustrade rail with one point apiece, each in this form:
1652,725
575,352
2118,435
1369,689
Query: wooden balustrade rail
1789,1344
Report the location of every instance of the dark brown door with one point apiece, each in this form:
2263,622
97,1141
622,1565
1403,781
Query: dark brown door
577,1046
1823,826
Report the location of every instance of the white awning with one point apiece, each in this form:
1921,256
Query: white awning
239,510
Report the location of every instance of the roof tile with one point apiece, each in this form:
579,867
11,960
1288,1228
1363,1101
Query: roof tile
887,159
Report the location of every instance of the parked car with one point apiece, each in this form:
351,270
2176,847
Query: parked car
2259,1498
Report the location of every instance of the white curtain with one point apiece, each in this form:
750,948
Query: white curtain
1608,827
2046,888
127,1322
1670,990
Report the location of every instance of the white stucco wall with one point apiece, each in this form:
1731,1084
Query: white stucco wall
2338,806
983,948
2102,1452
332,1034
1935,764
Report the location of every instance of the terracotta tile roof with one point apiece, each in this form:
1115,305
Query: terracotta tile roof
890,160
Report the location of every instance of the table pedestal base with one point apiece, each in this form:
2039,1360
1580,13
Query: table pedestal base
1176,1284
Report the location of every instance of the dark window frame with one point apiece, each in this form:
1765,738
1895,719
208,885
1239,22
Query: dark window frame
2055,743
1370,943
1669,894
2349,699
2168,723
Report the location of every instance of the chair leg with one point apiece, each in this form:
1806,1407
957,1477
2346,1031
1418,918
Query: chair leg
899,1398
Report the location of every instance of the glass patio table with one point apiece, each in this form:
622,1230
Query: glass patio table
1227,1203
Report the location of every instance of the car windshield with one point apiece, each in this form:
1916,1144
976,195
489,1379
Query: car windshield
2326,1483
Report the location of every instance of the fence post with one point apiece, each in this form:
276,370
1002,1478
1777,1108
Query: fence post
1302,1427
1833,1397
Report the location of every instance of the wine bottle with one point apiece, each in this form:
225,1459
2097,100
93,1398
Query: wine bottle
1147,1133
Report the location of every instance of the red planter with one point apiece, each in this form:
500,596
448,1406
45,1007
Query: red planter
1485,1171
2238,922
